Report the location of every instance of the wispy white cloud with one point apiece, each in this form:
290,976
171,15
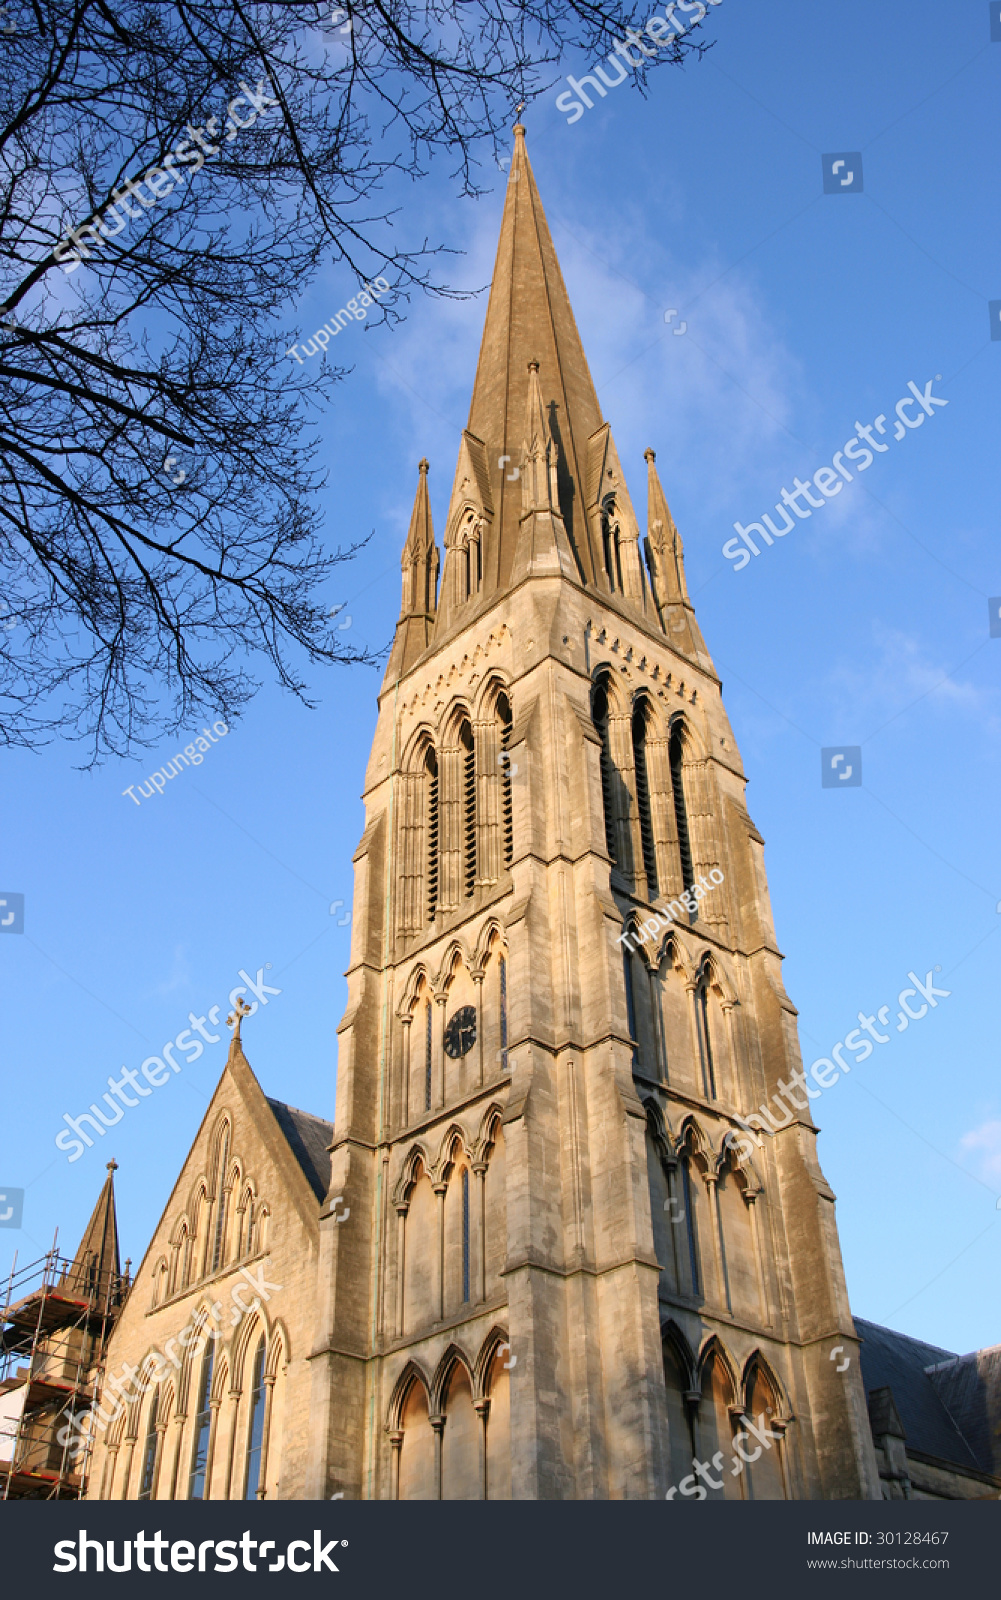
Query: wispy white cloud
983,1145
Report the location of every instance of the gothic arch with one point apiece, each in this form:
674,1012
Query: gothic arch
763,1396
220,1378
711,968
493,686
612,720
492,932
730,1159
695,1142
412,1373
193,1354
714,1350
418,836
453,1357
279,1349
245,1340
757,1363
416,747
489,1123
418,975
673,1337
456,955
454,1135
488,1349
160,1276
416,1156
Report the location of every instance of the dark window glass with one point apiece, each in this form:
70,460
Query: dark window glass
600,719
255,1435
693,1259
681,814
627,968
427,1057
643,802
705,1043
149,1450
203,1429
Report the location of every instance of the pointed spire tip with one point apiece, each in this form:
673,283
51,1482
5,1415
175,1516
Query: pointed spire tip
649,455
424,466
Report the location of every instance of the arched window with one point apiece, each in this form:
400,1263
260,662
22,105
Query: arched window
468,809
716,1425
689,1192
627,967
599,716
766,1478
649,851
427,1055
221,1197
503,1013
180,1251
431,767
610,546
416,1468
465,1235
680,1440
251,1219
202,1428
677,756
705,1040
461,1471
507,810
255,1425
149,1450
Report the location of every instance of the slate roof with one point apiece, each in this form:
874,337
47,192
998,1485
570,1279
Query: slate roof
970,1389
924,1401
308,1138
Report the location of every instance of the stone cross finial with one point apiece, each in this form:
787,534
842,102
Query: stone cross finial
236,1016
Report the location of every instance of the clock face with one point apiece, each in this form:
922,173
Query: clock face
460,1033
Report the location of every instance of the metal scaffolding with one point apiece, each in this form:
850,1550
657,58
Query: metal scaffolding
57,1318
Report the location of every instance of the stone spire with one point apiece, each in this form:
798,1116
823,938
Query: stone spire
528,320
666,559
96,1265
420,584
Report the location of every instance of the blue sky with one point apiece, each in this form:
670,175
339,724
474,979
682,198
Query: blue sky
867,624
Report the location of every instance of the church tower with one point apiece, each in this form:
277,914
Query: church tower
563,1253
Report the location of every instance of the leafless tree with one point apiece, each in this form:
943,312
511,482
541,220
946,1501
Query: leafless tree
158,489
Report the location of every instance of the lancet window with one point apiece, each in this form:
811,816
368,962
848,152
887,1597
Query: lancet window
221,1196
202,1429
599,713
255,1426
507,809
677,756
647,845
149,1450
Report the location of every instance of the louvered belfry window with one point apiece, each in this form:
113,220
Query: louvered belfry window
600,718
507,809
680,811
643,800
468,809
432,862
